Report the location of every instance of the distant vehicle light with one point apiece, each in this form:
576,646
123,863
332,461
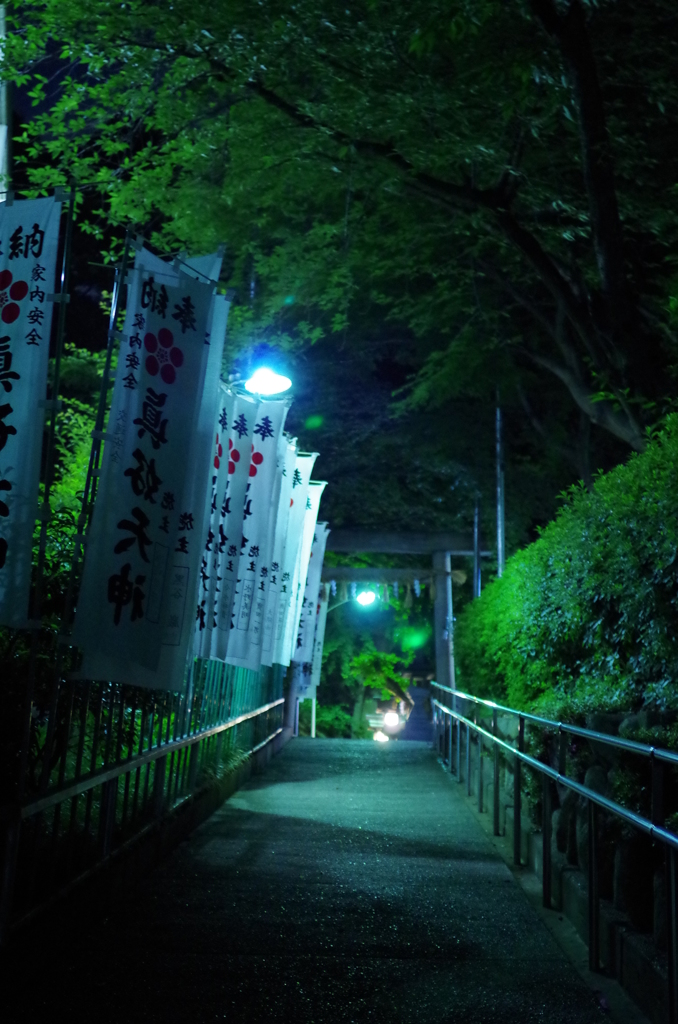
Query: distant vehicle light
366,597
391,718
380,736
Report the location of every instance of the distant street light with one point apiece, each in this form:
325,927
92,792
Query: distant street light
366,597
267,382
391,718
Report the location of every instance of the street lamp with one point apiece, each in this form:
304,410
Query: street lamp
366,598
267,382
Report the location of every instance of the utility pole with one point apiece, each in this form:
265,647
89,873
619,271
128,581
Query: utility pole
444,619
500,494
476,549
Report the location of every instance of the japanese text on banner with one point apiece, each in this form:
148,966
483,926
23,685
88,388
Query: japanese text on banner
261,501
29,234
133,598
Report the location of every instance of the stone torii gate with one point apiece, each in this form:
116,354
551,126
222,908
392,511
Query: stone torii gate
440,547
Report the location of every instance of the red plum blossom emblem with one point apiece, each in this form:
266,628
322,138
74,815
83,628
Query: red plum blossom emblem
11,294
233,456
164,357
257,459
218,453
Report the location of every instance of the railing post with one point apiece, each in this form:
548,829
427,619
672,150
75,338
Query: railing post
495,795
480,773
159,786
546,839
449,745
193,762
468,760
672,894
594,902
658,817
517,859
657,812
562,751
458,744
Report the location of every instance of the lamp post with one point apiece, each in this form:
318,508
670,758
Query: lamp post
266,383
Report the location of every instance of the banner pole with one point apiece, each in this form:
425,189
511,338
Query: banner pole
53,407
62,637
35,609
97,436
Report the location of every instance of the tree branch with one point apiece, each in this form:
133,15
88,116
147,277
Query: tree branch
623,426
520,297
578,457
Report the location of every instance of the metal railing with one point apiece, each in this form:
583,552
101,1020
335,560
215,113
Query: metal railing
110,761
659,758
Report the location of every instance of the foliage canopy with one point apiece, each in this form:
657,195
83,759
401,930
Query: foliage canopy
497,178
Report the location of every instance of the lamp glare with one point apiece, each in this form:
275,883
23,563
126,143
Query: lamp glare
266,382
366,598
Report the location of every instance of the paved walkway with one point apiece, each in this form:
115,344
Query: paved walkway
348,883
419,725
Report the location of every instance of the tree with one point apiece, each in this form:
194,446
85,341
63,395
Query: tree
496,175
364,654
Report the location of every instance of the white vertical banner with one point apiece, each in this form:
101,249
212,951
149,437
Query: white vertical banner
301,476
280,534
214,537
231,517
188,558
136,589
303,651
319,639
314,494
310,675
29,237
195,505
244,644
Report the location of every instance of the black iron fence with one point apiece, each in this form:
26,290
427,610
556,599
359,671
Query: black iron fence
449,723
107,761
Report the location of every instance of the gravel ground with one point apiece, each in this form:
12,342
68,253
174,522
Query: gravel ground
347,883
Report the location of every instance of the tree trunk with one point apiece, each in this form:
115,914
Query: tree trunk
357,714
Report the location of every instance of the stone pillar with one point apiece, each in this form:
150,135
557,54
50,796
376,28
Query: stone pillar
443,618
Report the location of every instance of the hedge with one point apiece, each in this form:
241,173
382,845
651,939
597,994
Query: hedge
586,616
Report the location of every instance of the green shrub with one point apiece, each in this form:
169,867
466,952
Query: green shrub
332,721
586,616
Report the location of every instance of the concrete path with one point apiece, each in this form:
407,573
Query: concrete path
419,725
348,883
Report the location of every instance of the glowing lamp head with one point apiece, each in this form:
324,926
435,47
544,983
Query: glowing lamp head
391,718
266,382
380,736
367,597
